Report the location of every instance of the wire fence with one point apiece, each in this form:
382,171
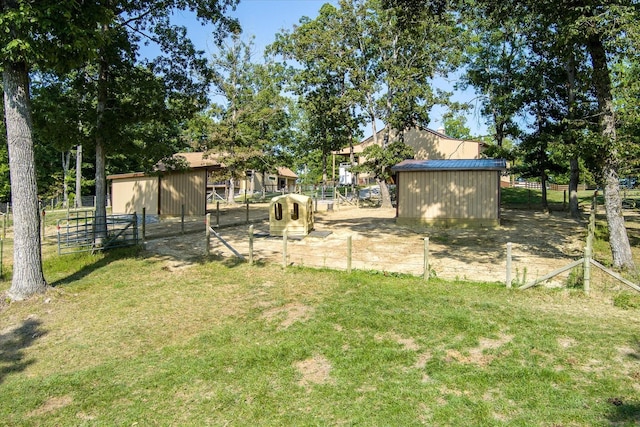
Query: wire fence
415,256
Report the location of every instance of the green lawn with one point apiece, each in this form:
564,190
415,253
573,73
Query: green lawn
558,200
121,340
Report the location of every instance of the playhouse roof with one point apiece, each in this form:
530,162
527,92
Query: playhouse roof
440,165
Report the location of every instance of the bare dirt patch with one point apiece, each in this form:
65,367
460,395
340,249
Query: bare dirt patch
315,370
292,313
541,243
408,344
51,405
478,355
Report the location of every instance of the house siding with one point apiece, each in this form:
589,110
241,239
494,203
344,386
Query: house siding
427,145
448,197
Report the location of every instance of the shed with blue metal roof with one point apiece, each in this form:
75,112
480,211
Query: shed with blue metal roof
456,192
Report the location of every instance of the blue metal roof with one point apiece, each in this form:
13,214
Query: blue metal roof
462,164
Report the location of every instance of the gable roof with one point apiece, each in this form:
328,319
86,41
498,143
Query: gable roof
441,165
193,160
359,147
286,172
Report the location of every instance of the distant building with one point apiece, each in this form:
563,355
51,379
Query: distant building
188,185
426,144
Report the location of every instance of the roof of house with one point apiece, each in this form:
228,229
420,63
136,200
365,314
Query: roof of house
286,172
196,160
440,165
359,148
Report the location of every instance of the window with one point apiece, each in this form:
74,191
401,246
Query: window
295,212
277,211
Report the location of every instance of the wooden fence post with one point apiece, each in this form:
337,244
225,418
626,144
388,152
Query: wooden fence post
586,279
144,225
208,232
509,264
247,212
284,248
251,245
218,214
182,218
349,252
426,272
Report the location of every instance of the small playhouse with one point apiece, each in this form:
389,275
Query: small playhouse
291,212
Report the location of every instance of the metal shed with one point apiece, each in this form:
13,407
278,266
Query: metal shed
166,192
291,212
449,192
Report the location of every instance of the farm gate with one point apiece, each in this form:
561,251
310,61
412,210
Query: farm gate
77,233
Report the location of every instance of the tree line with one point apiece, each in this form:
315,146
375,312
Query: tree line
556,82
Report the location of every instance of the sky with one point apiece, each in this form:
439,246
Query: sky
263,19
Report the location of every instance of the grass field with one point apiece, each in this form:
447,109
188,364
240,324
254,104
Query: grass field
122,341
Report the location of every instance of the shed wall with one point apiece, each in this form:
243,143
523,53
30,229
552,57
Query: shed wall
449,197
184,188
132,194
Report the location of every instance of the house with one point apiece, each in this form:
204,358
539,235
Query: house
460,192
284,179
184,187
426,144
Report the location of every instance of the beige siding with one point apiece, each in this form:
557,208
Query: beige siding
132,194
448,197
185,188
427,145
284,205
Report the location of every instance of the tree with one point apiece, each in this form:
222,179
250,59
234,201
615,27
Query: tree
374,62
49,35
322,79
495,60
180,66
249,128
606,31
455,126
380,160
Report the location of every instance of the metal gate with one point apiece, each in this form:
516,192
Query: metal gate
77,233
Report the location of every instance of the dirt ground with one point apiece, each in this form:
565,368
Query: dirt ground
541,243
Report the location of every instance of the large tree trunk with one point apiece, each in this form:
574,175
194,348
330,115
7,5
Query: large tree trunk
28,278
101,182
574,177
574,171
618,238
231,198
385,197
